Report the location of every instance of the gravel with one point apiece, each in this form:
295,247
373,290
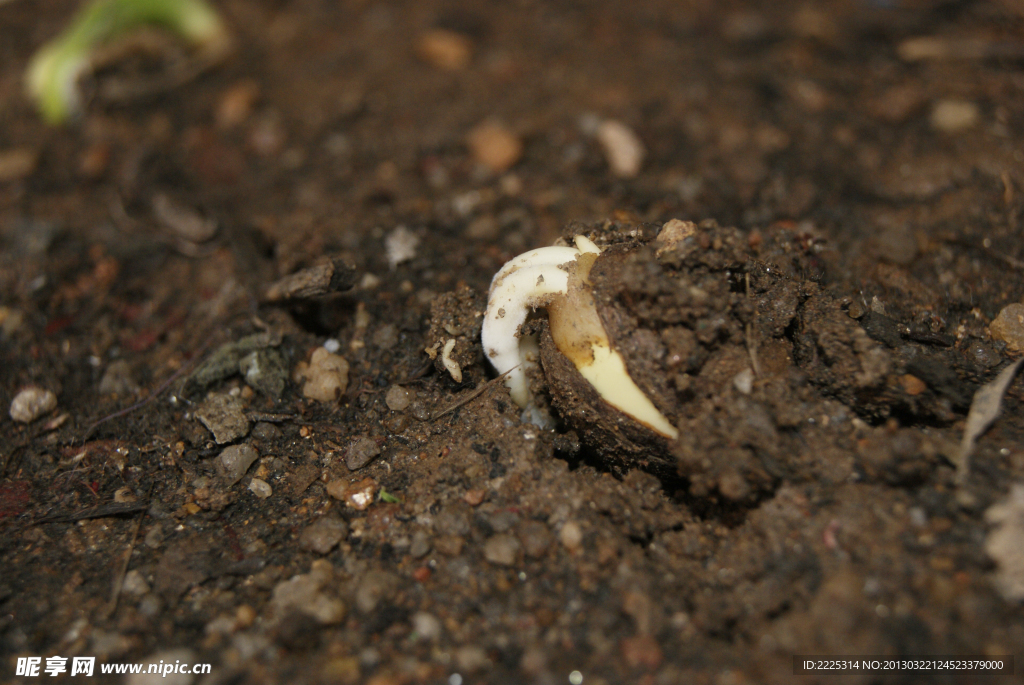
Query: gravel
31,403
234,461
323,535
361,452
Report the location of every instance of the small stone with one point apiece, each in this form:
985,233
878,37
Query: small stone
31,403
265,370
535,538
426,626
222,414
155,537
117,380
234,461
325,376
474,497
420,546
401,245
1008,326
954,116
361,452
492,144
260,488
323,534
622,148
450,545
398,398
444,49
168,657
134,584
744,381
304,593
502,549
571,536
266,431
673,232
912,385
358,495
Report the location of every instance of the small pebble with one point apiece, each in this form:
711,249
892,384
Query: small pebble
266,431
401,245
912,385
325,376
134,584
398,398
260,488
155,537
571,536
426,625
222,414
954,116
495,146
323,534
1008,326
622,148
304,593
361,452
444,49
744,381
31,403
502,549
450,545
150,606
420,545
358,496
235,460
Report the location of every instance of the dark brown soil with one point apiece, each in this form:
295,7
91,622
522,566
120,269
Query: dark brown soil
817,342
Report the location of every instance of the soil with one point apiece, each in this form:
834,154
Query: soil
855,171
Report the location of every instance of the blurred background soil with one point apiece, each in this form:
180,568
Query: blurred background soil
864,167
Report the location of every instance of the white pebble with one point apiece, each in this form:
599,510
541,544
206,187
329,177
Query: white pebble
325,376
260,488
397,398
401,246
622,148
31,403
744,381
571,536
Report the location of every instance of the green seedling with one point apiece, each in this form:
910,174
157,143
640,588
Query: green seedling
385,496
52,75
